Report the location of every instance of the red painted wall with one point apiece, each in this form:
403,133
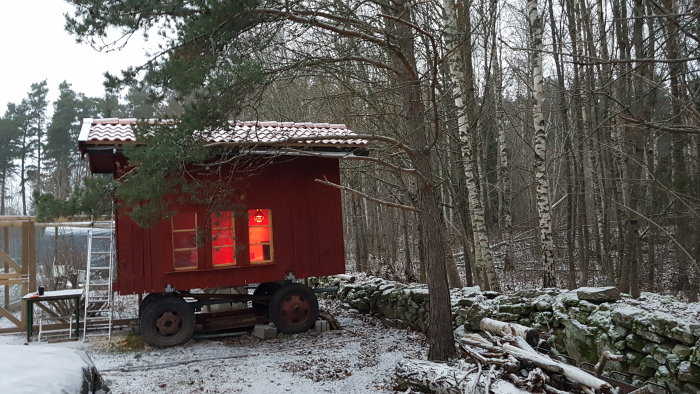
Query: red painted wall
306,224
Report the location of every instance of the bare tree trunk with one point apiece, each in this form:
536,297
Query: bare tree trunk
440,335
408,262
360,232
540,145
680,179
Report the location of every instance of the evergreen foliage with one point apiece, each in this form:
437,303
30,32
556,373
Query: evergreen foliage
211,78
94,199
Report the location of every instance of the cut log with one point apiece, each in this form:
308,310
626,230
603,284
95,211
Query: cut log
500,328
345,277
569,371
604,358
446,379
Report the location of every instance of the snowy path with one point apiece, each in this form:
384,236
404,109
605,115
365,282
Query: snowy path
359,358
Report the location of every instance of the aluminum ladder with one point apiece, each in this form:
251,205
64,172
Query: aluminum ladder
99,276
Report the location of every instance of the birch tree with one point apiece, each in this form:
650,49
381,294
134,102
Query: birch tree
485,273
540,148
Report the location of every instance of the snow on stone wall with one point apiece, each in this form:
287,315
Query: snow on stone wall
659,336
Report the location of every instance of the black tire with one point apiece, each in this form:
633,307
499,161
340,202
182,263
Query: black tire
265,289
150,297
293,308
167,321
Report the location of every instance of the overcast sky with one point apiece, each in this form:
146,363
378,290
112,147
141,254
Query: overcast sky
34,46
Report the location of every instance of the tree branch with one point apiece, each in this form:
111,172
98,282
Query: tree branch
363,195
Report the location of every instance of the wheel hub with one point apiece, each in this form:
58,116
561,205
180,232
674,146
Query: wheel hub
169,323
295,309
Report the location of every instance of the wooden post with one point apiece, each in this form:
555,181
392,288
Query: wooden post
28,263
6,248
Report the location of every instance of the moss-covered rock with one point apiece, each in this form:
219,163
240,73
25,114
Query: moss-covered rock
617,332
518,309
600,318
568,299
681,351
598,294
688,372
650,336
660,354
543,303
648,366
626,315
635,342
580,341
682,334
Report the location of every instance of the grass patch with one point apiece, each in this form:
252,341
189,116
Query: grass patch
130,342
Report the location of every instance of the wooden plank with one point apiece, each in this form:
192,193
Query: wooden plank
9,262
13,281
6,250
148,255
30,260
46,309
139,258
11,317
57,326
12,276
12,218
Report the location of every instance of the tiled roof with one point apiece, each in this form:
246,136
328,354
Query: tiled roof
115,131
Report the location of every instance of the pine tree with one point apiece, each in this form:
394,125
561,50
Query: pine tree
61,137
9,150
36,114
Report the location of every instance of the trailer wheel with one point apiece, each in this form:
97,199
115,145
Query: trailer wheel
147,301
167,321
294,308
265,289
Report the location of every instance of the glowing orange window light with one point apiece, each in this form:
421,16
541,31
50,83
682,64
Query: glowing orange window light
259,216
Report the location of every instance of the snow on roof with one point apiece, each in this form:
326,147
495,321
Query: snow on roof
116,131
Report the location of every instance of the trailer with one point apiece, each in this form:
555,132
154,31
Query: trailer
279,225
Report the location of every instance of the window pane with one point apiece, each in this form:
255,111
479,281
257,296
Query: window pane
258,217
185,259
185,221
184,239
222,219
223,256
258,235
222,237
256,253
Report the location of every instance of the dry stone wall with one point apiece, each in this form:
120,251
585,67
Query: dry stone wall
661,347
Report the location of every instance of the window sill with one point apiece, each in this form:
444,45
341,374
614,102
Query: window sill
228,267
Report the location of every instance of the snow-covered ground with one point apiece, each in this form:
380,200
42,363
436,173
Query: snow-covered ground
357,359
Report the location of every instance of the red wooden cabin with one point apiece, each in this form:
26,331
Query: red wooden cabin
281,225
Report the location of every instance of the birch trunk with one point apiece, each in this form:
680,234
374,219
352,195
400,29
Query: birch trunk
485,273
540,145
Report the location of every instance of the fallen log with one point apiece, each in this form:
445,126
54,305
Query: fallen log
571,372
500,328
604,358
442,378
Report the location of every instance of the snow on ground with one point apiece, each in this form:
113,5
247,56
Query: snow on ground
359,358
653,302
38,369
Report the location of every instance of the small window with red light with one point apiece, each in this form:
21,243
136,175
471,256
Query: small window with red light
184,231
223,242
260,236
